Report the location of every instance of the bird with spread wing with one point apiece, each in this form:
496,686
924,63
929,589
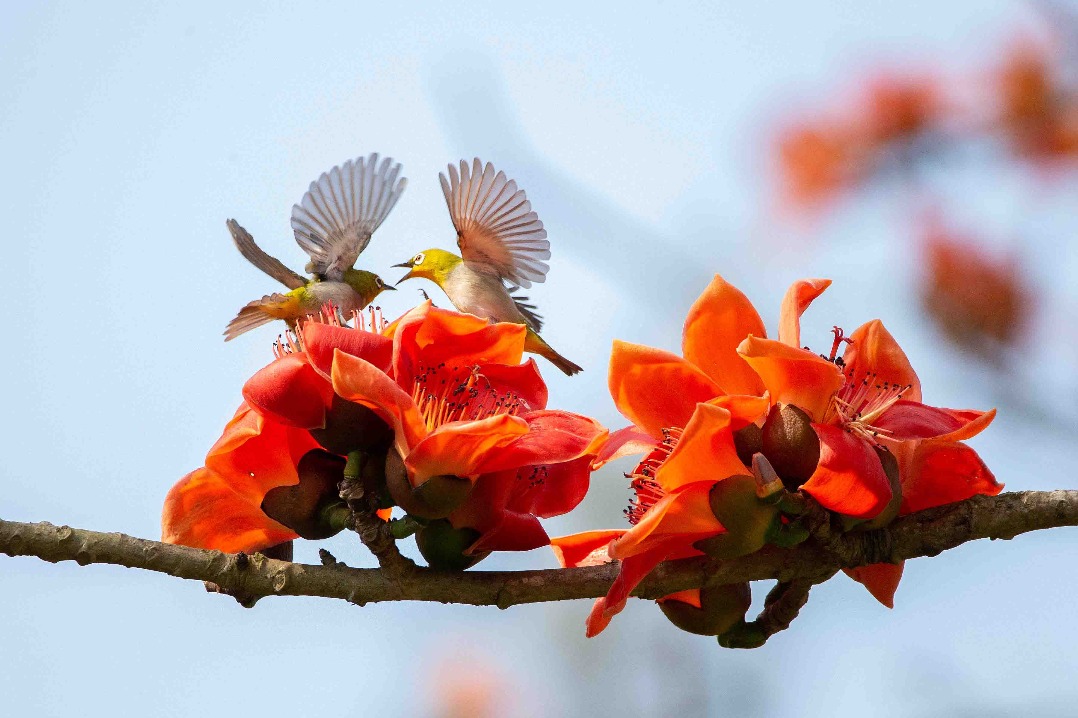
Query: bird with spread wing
503,247
333,223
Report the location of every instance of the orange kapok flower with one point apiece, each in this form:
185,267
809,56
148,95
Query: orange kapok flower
218,506
898,108
980,302
817,161
848,409
1036,111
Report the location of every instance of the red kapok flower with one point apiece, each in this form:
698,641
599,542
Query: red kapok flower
219,505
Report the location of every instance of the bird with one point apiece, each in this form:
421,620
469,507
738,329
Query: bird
502,249
333,224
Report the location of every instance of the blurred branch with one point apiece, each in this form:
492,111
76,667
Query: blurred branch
926,533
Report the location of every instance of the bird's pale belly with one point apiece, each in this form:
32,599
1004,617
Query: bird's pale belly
476,294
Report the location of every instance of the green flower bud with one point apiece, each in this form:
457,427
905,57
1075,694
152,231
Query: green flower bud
435,498
312,508
443,546
746,519
790,444
743,635
721,607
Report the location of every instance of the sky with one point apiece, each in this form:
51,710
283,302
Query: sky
131,132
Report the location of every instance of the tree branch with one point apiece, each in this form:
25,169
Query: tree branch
926,533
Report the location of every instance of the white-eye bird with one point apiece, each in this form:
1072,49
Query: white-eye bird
333,223
503,247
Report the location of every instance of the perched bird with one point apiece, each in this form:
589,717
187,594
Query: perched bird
503,244
333,223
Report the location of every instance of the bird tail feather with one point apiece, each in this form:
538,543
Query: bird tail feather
537,345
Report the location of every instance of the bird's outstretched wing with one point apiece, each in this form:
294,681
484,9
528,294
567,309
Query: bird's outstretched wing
495,223
336,218
256,256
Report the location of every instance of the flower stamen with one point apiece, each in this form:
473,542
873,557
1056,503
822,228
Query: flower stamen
443,395
860,403
647,490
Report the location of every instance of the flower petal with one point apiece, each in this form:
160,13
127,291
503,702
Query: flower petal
935,473
849,479
798,297
513,532
621,443
881,580
291,392
319,341
872,350
655,389
360,381
793,376
705,452
203,511
677,520
553,436
913,420
461,448
584,549
523,381
428,336
717,322
744,410
633,570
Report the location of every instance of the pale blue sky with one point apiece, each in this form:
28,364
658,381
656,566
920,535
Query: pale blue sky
129,133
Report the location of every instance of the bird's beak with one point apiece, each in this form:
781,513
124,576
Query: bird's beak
404,264
390,287
406,276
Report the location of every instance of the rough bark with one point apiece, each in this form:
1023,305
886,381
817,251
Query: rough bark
926,533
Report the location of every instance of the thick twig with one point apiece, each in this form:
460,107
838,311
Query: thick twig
923,534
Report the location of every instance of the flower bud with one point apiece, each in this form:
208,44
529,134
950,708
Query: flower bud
745,518
443,546
435,498
743,635
721,607
351,427
312,508
790,444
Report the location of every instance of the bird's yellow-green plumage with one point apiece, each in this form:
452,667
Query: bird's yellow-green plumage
333,223
502,242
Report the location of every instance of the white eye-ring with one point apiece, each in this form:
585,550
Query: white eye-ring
378,282
417,260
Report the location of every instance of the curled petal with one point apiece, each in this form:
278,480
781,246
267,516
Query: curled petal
677,520
913,420
203,511
705,452
744,410
623,442
512,532
552,437
428,336
881,580
719,320
584,549
633,571
793,376
798,297
291,392
461,448
935,473
849,478
872,350
655,389
360,381
320,340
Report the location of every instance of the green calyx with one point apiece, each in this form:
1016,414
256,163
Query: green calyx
444,546
790,444
745,517
435,498
312,507
352,427
721,607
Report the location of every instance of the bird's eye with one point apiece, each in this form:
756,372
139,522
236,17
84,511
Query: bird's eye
417,260
378,282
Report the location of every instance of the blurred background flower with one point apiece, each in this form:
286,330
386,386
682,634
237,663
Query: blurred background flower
650,144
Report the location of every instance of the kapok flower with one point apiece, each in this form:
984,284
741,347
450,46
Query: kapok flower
1036,110
817,161
218,506
900,107
979,301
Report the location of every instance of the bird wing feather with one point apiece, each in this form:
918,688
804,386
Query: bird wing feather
496,227
256,256
524,306
334,221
